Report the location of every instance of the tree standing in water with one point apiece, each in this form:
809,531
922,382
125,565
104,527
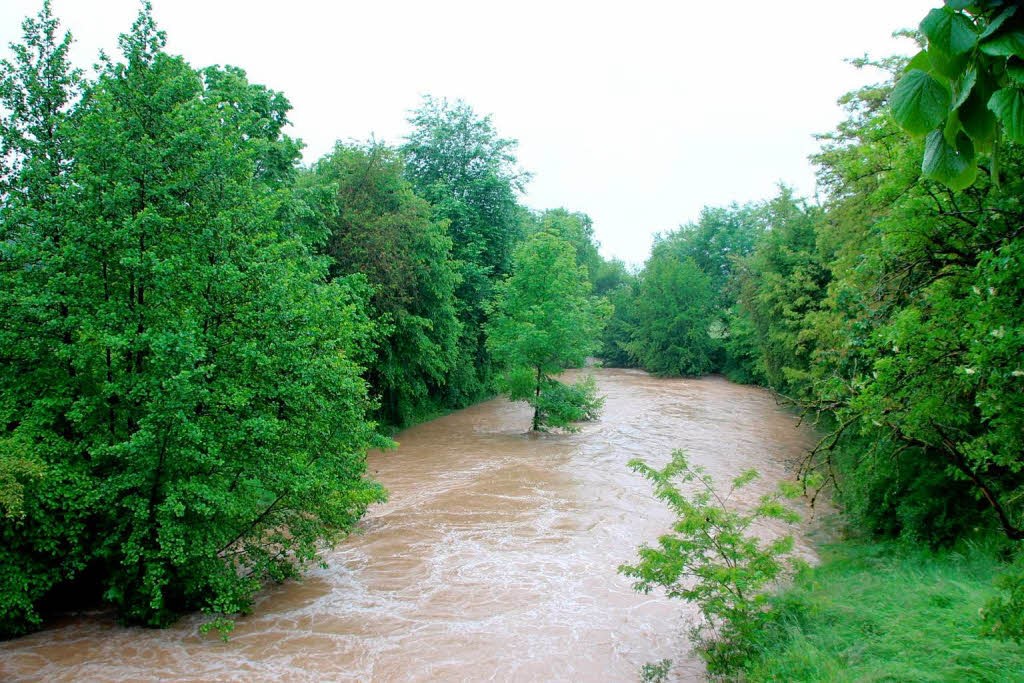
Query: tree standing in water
543,319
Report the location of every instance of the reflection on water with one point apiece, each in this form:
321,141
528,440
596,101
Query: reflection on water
495,558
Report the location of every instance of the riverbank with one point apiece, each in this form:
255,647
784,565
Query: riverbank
494,558
888,610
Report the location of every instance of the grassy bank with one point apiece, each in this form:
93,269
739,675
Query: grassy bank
888,611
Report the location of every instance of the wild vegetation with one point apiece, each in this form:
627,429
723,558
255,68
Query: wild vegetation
891,313
200,339
543,319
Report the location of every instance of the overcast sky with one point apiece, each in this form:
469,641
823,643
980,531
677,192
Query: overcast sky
638,113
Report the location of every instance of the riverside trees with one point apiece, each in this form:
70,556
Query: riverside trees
175,365
891,313
470,175
199,340
379,227
544,319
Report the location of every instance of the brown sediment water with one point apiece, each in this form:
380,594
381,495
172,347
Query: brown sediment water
494,559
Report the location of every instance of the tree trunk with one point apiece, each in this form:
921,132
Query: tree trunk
536,410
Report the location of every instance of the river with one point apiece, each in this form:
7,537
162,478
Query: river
494,559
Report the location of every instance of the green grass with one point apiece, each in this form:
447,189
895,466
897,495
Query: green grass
888,612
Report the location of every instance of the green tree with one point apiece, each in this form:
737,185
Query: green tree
714,559
380,228
456,160
924,425
543,319
674,309
208,427
617,333
780,287
44,497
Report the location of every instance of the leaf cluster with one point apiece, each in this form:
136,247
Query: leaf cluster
715,557
965,90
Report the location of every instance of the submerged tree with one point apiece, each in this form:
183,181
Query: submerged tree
543,319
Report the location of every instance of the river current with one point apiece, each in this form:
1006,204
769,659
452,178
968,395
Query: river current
494,559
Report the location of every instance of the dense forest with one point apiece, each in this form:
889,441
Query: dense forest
200,338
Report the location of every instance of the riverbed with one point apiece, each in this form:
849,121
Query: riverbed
494,559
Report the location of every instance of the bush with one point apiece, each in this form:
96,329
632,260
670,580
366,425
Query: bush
560,405
713,560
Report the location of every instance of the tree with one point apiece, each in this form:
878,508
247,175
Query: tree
619,330
456,161
712,559
780,286
915,343
673,310
206,427
543,319
380,228
44,496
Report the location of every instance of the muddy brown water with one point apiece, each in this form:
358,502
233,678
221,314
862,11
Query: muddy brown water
494,559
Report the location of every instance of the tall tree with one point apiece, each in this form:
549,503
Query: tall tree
44,496
216,422
674,310
543,319
456,160
780,288
380,228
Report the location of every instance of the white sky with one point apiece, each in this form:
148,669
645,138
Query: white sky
638,113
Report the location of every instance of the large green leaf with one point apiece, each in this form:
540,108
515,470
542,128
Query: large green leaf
977,120
963,87
950,66
948,31
920,61
1005,44
994,25
1008,104
919,102
953,167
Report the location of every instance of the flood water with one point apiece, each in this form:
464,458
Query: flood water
494,559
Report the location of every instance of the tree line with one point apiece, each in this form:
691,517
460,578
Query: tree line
200,338
890,310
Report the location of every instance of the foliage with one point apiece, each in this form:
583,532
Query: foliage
37,92
780,285
1003,615
656,672
671,318
578,229
544,319
966,89
614,350
715,557
174,358
456,160
378,227
883,611
673,309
